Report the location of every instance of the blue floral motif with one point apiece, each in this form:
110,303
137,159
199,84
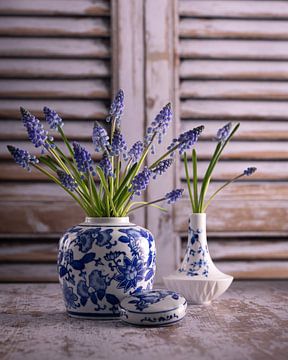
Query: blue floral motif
144,300
86,238
69,297
198,265
130,273
92,267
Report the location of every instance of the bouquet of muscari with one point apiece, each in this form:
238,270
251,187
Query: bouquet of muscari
109,188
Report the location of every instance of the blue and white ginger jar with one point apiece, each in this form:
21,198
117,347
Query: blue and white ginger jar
100,262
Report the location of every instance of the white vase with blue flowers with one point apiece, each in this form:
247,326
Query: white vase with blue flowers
105,257
198,279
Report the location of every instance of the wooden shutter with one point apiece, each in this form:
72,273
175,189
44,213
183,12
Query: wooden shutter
233,67
55,53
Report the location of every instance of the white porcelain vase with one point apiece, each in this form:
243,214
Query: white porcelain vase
198,279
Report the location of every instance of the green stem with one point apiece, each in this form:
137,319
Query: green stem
188,181
195,179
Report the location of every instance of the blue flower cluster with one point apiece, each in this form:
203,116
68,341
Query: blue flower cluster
224,132
105,165
36,133
52,118
116,108
162,167
118,145
22,157
141,181
159,125
249,171
186,140
174,195
100,138
66,180
136,151
83,159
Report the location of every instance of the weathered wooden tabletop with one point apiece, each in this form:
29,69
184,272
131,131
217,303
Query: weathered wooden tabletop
249,322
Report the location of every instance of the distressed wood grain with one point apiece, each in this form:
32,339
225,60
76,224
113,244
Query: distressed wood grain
53,26
54,69
234,70
234,49
55,89
249,130
73,109
54,48
209,109
234,9
55,8
247,90
235,29
239,216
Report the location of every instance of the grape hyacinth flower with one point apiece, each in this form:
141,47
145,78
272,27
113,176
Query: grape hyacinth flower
22,157
249,171
174,195
224,132
36,133
106,166
116,108
141,181
159,125
186,140
100,138
52,118
66,180
83,159
118,145
135,153
162,167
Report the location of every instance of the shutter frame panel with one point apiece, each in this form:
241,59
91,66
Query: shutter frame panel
232,67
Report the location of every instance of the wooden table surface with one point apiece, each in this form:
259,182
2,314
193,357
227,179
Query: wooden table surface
249,322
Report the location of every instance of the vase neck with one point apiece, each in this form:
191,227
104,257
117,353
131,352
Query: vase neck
197,225
107,221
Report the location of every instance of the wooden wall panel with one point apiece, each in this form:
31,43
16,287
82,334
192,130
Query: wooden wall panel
58,54
233,68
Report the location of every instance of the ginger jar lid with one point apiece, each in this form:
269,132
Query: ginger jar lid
153,308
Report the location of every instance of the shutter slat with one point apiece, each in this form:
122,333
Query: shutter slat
234,70
55,27
234,109
248,217
73,109
234,9
57,89
234,90
61,48
234,49
54,8
226,170
52,68
249,130
246,29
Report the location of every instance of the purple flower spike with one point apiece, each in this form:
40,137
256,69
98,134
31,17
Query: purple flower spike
52,118
141,181
100,138
22,157
224,132
106,166
249,171
36,133
66,180
159,125
186,140
118,145
162,167
116,108
83,159
135,153
174,195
